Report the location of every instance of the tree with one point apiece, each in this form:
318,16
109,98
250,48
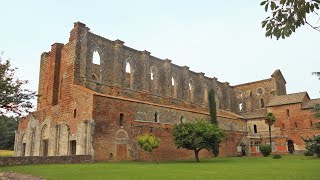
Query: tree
313,146
316,110
213,118
270,119
288,15
316,74
13,98
212,107
8,126
197,136
148,144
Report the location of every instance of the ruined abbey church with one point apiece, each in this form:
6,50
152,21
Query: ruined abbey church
99,108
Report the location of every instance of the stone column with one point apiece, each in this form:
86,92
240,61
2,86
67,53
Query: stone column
118,70
145,56
167,69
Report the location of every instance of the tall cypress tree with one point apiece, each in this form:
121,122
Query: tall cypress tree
212,106
213,119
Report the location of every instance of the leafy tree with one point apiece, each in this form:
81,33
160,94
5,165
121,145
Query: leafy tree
148,143
288,15
313,146
13,98
197,136
8,126
213,118
316,74
270,119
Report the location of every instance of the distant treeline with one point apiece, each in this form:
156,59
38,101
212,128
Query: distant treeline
8,126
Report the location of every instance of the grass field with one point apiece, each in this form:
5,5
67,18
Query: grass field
289,167
4,153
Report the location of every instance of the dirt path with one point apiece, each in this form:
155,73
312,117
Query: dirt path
17,176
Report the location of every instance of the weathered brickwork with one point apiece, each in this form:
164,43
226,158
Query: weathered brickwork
99,108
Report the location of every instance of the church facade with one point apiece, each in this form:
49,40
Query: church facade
98,108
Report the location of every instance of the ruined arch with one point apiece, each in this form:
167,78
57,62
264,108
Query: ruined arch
129,73
44,140
121,145
154,79
191,90
96,64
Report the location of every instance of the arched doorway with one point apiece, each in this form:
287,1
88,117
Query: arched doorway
290,146
121,145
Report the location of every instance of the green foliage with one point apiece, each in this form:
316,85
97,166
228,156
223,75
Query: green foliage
316,74
8,126
316,111
265,149
213,118
13,98
213,107
277,156
197,136
313,146
148,143
270,119
288,15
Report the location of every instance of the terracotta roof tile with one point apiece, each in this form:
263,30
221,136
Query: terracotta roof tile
287,99
260,113
311,103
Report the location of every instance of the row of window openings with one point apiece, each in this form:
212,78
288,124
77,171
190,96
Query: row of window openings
96,60
156,119
255,130
261,105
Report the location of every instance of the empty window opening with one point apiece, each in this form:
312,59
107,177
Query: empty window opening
261,103
288,112
311,124
73,147
128,68
45,147
96,58
74,113
156,117
172,81
151,129
182,120
255,129
240,106
111,156
121,120
23,153
295,124
190,85
151,74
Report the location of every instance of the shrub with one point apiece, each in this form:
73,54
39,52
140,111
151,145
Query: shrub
148,143
265,149
277,156
313,146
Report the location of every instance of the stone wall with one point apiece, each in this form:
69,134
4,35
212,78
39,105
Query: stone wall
116,141
13,161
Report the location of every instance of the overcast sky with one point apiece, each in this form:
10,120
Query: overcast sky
223,39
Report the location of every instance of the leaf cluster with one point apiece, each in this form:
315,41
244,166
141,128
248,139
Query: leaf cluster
316,110
8,126
212,107
148,143
270,119
287,15
13,97
313,146
197,135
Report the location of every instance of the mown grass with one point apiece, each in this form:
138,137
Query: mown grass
5,153
289,167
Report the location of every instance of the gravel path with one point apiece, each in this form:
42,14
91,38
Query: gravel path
17,176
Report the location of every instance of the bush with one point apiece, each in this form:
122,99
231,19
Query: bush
277,156
313,146
265,149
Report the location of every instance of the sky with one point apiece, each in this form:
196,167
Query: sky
223,39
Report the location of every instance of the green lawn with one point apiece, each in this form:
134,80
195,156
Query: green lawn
289,167
4,153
